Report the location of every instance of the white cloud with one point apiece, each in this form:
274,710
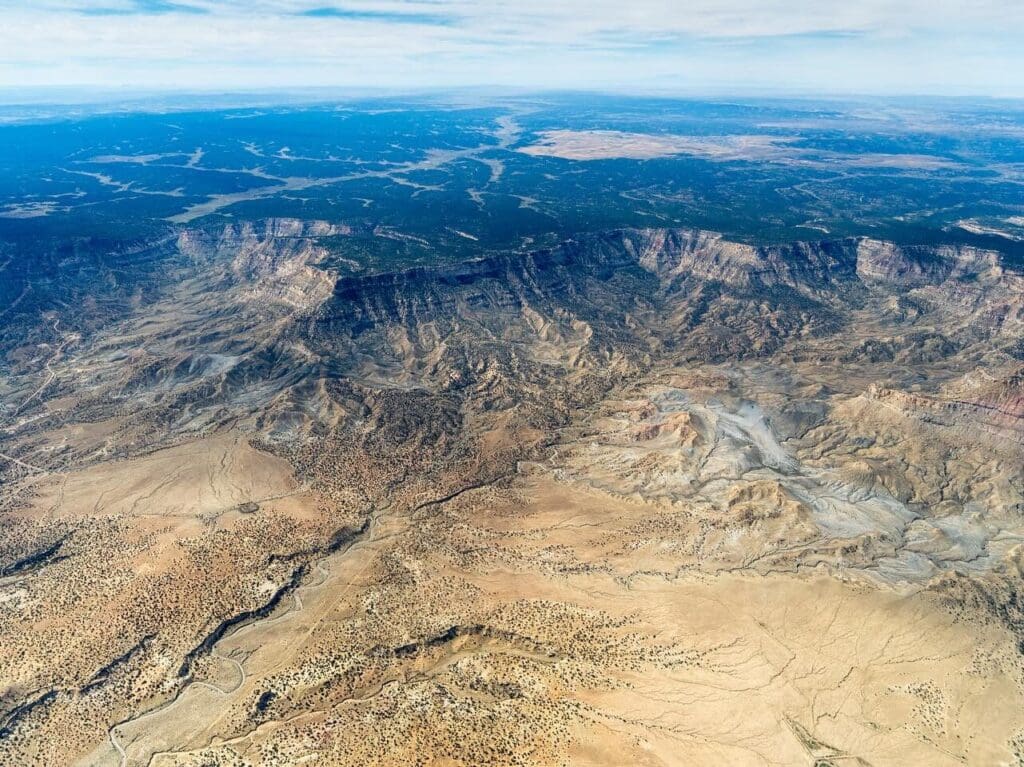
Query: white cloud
865,45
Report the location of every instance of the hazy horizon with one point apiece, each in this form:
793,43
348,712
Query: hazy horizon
20,103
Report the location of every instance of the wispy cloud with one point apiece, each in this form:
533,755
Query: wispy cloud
863,45
142,7
392,17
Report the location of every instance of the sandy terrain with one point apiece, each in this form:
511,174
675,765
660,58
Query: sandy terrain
577,627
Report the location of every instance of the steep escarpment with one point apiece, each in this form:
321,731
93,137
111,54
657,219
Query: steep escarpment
678,292
249,322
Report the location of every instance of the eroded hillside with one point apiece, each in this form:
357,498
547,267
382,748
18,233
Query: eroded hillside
646,497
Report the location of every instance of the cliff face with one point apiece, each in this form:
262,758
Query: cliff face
666,287
690,291
678,259
248,314
685,256
681,261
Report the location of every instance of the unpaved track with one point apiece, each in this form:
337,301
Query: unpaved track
48,366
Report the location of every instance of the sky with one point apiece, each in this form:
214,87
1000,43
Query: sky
942,47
